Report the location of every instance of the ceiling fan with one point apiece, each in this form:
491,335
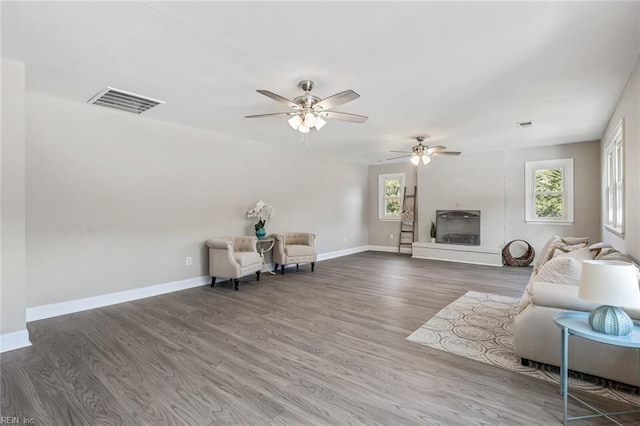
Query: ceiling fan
424,152
311,111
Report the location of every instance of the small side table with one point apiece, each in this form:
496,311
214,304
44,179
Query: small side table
577,324
264,245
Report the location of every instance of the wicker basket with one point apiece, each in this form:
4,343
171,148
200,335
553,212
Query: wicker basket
524,260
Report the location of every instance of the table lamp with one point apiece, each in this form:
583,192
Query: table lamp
614,284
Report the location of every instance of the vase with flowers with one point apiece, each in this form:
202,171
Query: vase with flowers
263,212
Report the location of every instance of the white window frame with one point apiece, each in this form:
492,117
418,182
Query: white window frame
382,196
614,181
566,164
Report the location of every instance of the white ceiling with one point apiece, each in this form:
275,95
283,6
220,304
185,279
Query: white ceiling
461,73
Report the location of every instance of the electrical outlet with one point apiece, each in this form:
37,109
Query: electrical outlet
188,261
391,236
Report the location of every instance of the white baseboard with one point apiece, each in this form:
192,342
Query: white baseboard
14,340
63,308
78,305
340,253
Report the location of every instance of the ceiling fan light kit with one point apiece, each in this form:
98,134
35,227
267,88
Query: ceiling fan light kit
311,111
424,153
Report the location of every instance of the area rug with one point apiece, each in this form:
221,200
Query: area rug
479,326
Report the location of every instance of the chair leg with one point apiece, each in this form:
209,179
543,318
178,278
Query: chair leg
276,267
235,282
313,265
213,281
297,266
281,269
258,276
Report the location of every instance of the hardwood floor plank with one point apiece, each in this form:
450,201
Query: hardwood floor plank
305,348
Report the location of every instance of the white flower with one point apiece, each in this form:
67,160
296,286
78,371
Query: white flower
262,211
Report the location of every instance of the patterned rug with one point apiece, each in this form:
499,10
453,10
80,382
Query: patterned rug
479,326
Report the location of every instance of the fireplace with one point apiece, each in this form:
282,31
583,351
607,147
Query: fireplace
458,227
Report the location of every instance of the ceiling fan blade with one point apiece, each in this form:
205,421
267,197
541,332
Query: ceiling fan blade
273,114
436,148
403,152
353,118
444,153
337,99
278,98
395,158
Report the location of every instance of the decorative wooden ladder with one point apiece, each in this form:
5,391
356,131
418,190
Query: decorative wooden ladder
408,223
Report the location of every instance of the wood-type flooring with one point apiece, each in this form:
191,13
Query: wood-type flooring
322,348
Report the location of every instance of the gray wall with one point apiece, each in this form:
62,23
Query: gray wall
628,108
116,201
381,230
12,252
586,169
494,183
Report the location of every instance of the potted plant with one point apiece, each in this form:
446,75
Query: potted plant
433,232
263,212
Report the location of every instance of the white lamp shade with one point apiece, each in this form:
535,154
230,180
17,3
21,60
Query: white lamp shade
295,121
425,159
415,159
309,119
320,123
303,128
611,283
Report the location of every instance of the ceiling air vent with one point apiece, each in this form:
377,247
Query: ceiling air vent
124,101
523,124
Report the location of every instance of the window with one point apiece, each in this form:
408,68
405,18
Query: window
614,191
390,190
549,191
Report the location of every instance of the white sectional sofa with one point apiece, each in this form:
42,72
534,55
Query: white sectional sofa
553,288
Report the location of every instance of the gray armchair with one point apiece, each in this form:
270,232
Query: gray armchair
233,258
294,247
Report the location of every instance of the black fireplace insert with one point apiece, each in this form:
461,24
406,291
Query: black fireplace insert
458,227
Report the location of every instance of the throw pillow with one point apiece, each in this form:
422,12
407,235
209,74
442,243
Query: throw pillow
580,251
598,247
561,270
609,253
556,241
544,253
572,241
559,248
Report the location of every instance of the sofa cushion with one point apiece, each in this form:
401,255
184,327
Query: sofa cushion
525,300
545,254
561,270
247,258
294,250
